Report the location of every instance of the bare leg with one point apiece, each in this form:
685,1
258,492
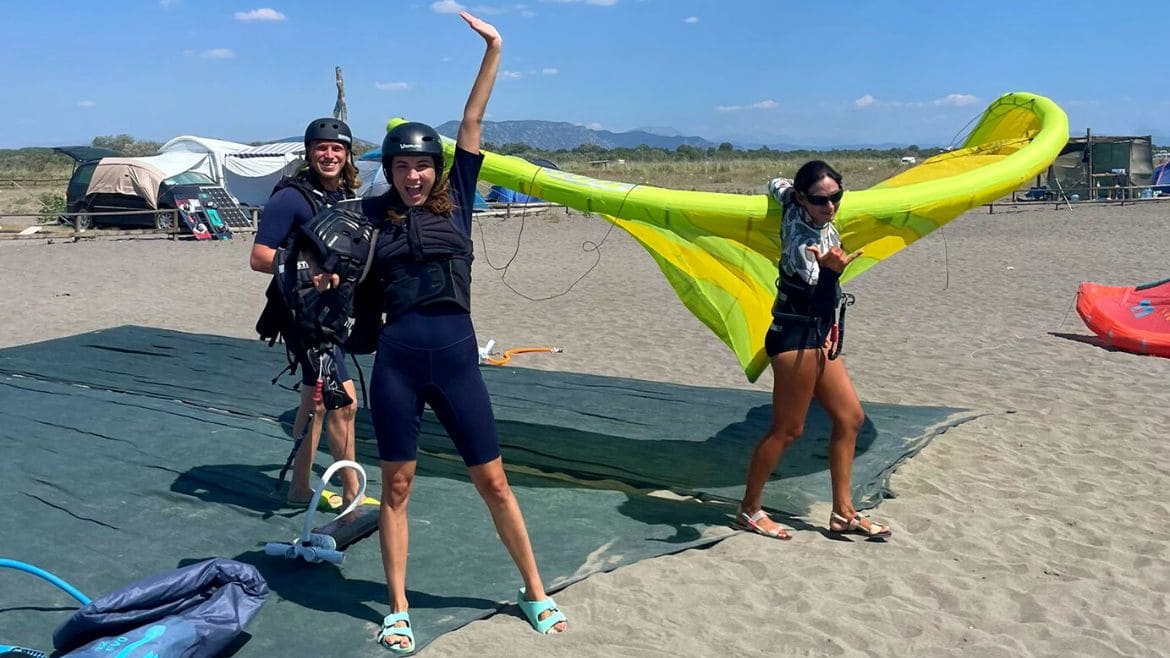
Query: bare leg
397,480
301,489
342,441
492,484
795,375
837,395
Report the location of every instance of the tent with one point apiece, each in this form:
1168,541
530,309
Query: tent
251,173
1161,180
133,177
1102,167
248,173
142,177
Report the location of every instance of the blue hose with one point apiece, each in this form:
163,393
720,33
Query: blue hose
36,571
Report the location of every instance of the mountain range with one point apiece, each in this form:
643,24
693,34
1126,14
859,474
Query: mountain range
561,135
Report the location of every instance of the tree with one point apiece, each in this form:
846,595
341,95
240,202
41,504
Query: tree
688,152
127,145
513,148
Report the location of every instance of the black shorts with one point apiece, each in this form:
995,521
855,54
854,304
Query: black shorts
796,336
308,375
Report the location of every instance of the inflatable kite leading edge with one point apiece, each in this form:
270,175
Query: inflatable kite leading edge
1132,318
719,251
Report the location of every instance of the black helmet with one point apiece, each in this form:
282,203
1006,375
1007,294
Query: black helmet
412,138
328,129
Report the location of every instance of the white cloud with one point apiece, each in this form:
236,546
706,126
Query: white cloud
549,71
218,53
511,75
957,100
86,104
527,13
486,10
263,14
167,4
761,105
392,86
950,100
599,3
691,19
594,126
447,7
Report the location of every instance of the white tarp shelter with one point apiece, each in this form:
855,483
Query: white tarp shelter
250,174
247,172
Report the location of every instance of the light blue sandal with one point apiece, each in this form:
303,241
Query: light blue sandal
389,630
534,609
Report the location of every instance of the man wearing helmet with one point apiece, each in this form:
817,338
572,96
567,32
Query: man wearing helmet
328,177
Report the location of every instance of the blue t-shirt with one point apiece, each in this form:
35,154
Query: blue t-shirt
286,210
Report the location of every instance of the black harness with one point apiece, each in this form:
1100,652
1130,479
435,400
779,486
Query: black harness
799,304
427,261
340,240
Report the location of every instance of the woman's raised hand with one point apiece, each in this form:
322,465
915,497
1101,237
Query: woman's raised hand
835,259
483,28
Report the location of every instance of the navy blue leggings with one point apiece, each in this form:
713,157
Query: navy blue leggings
431,359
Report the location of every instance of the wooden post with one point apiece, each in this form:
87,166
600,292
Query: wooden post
339,109
1089,147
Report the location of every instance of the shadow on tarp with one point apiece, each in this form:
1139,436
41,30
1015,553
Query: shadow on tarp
138,450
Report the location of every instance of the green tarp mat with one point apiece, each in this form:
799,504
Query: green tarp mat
132,451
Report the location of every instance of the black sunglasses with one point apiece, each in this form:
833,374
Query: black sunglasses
822,200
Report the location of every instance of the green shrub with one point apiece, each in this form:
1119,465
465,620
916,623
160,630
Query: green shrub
52,203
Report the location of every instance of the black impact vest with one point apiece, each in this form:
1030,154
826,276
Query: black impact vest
422,261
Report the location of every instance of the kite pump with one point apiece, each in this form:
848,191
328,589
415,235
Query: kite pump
315,547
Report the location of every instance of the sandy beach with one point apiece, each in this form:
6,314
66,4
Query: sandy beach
1037,529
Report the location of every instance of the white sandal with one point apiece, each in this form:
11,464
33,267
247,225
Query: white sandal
751,523
853,527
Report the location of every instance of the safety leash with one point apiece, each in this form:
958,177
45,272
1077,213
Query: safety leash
837,334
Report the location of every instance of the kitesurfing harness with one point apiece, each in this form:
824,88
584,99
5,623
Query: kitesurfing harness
796,304
338,241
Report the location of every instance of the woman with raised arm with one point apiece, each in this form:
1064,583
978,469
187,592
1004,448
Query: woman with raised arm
427,351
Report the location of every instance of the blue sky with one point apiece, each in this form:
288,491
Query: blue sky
766,71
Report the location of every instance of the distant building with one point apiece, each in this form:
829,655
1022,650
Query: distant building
909,159
1099,166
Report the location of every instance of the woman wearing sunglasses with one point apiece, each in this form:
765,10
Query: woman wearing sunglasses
801,344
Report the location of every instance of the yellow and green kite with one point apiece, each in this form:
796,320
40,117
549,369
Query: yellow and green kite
719,251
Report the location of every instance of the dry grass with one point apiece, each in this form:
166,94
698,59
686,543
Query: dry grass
731,176
23,199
